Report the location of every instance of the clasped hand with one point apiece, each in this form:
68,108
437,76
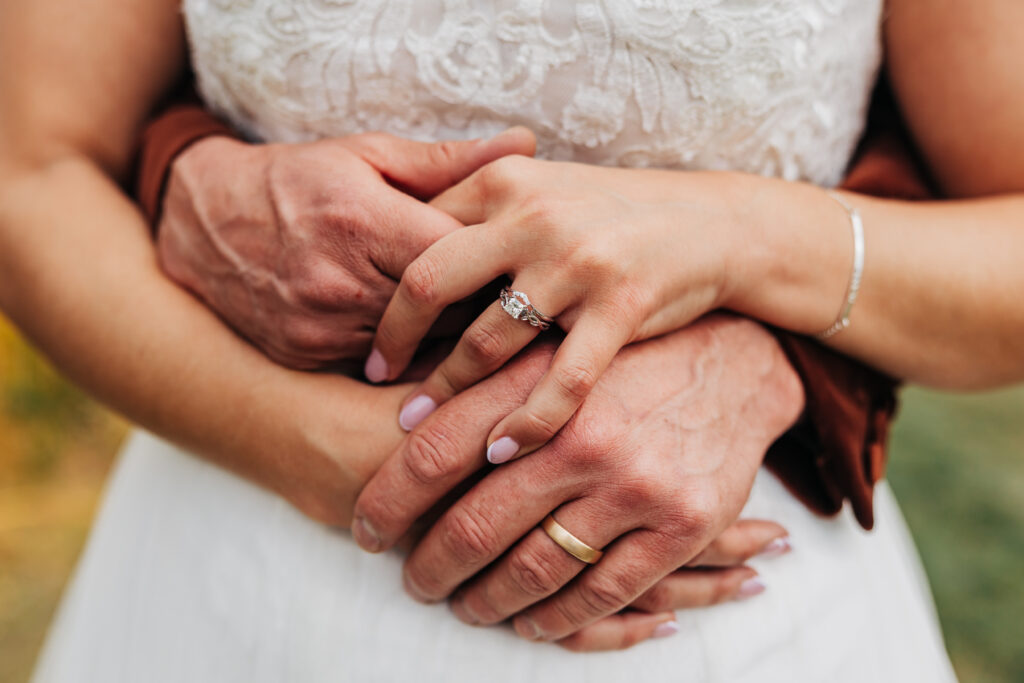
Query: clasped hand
305,271
615,255
654,468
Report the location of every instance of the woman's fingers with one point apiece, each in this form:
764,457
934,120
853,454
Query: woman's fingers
743,540
452,269
690,588
621,631
583,356
536,567
485,346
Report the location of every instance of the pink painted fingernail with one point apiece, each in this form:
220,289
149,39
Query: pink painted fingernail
750,588
415,411
669,628
780,546
502,450
376,369
365,535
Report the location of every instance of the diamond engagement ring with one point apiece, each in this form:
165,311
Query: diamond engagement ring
518,305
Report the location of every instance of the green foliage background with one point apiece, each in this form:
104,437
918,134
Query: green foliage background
957,467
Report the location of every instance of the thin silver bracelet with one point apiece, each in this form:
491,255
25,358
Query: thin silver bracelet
843,321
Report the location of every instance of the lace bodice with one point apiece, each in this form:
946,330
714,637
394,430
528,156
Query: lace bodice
772,87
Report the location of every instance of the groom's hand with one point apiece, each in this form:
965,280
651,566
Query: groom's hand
298,247
655,466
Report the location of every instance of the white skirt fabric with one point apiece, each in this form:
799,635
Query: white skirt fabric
194,575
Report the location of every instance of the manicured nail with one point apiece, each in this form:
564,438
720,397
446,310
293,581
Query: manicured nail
527,628
669,628
780,546
365,535
502,450
376,369
750,588
415,411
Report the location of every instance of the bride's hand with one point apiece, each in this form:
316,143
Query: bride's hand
614,255
654,467
298,246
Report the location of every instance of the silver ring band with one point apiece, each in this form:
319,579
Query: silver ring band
518,305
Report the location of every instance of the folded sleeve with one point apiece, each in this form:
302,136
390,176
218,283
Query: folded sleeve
183,121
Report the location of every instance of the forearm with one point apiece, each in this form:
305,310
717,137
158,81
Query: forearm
81,280
937,303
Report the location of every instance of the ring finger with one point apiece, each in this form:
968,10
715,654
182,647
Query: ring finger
537,566
492,339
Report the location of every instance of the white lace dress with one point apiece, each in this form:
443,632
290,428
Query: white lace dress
192,574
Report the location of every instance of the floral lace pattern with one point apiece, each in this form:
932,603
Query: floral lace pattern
774,87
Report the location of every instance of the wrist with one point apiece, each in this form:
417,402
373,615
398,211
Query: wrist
790,262
329,436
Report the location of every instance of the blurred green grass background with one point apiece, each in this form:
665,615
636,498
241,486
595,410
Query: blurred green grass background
957,467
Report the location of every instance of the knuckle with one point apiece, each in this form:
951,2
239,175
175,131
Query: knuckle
593,438
604,595
306,337
575,381
543,211
540,425
696,519
483,344
469,536
657,598
501,174
427,455
532,574
696,522
322,287
422,281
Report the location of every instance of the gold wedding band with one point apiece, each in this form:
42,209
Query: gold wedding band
569,543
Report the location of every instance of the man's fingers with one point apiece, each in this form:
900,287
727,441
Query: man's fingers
430,463
629,567
408,228
743,540
621,631
689,588
537,567
440,453
581,359
483,524
483,348
426,169
452,269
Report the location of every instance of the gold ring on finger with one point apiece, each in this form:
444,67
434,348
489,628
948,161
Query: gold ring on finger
569,543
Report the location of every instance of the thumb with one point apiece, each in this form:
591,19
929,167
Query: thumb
426,169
